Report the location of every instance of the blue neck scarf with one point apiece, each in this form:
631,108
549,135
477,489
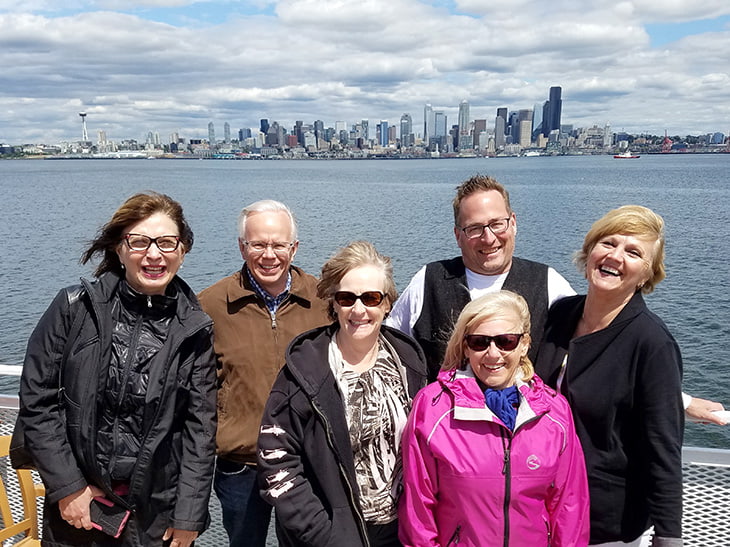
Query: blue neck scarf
503,402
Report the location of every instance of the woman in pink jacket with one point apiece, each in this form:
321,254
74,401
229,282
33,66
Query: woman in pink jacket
490,454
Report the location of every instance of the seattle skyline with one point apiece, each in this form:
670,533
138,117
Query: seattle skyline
171,66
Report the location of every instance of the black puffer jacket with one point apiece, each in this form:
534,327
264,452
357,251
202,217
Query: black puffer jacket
170,483
304,445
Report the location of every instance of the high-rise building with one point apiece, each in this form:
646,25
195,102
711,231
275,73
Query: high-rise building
226,133
428,123
502,113
499,128
439,124
365,130
552,111
383,133
264,125
406,131
299,132
464,117
536,121
464,132
244,134
211,134
524,136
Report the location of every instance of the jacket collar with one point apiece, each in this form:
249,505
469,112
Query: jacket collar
470,405
307,356
241,287
102,289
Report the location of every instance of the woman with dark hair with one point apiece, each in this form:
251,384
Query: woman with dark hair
117,396
329,444
621,371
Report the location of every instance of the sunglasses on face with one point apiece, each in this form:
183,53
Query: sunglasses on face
481,342
368,298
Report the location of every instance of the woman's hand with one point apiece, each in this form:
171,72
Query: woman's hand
180,538
74,508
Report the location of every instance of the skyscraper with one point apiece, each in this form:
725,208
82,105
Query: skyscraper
226,133
463,140
264,125
211,134
428,124
383,133
552,111
406,131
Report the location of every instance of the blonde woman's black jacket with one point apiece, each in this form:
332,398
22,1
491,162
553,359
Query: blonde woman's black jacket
305,462
623,384
170,484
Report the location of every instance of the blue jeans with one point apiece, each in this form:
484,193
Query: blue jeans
246,515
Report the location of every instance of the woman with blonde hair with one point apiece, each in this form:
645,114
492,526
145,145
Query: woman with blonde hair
490,454
621,371
329,446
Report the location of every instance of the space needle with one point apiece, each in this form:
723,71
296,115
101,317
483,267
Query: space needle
84,134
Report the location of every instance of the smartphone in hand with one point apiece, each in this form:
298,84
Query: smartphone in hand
108,517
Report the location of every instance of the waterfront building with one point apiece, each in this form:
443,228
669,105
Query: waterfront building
536,121
428,124
211,134
499,129
552,111
383,133
464,126
406,131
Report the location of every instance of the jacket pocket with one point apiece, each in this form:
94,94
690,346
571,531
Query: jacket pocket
455,537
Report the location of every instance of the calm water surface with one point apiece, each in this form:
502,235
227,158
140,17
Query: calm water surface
50,209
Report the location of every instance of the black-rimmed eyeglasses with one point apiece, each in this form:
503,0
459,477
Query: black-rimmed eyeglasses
497,227
141,242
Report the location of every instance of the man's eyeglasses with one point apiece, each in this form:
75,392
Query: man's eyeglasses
259,247
481,342
140,242
368,298
497,227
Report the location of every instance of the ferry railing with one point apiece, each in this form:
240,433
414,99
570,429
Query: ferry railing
706,492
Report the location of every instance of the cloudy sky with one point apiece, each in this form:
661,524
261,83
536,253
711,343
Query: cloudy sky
174,65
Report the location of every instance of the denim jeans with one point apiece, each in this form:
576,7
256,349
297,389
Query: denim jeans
246,515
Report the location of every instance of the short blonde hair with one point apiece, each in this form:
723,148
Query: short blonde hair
634,220
349,257
495,305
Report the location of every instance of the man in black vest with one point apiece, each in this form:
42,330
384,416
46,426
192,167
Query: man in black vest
485,228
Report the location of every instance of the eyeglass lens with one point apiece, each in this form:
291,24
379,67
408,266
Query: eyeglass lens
496,227
140,242
368,298
481,342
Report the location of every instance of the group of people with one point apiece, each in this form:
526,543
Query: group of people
488,404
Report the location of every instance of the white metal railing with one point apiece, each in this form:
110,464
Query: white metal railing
706,473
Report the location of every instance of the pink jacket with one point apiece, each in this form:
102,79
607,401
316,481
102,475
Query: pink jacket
469,481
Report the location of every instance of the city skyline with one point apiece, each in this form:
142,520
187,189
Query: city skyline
642,66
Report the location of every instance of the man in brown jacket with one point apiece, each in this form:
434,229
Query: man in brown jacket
256,313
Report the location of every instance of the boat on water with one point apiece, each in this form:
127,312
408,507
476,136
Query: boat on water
626,155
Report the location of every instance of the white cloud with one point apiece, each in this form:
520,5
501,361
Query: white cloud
339,59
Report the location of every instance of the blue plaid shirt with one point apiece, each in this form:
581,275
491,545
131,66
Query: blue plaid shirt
272,302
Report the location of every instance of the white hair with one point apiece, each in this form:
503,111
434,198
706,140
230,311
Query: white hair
266,206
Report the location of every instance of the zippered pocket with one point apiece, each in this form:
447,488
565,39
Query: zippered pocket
454,539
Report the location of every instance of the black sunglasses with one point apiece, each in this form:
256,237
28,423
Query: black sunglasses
369,298
481,342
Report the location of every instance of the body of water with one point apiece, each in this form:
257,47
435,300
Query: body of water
50,209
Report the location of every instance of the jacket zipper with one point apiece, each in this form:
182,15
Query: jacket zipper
454,539
131,352
507,472
350,491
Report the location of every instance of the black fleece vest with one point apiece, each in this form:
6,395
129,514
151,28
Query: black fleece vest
445,293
